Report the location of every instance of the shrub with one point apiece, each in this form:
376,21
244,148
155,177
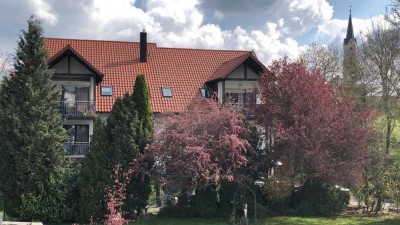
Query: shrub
55,200
278,194
206,202
319,199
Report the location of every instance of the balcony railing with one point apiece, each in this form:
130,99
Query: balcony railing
76,149
78,108
244,108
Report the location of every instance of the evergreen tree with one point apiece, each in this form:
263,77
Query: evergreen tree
111,144
139,189
123,130
31,133
95,175
141,97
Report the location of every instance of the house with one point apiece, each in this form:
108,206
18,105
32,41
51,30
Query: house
91,74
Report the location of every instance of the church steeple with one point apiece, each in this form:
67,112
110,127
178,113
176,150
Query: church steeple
349,54
350,32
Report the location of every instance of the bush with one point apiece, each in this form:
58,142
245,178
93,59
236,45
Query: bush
278,194
55,201
319,199
226,195
206,202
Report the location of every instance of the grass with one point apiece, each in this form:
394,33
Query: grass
276,221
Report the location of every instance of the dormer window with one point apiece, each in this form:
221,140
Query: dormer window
166,92
205,92
106,91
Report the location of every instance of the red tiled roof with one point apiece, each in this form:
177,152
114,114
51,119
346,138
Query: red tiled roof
183,70
226,68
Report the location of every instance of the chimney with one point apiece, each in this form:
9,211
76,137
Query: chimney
143,46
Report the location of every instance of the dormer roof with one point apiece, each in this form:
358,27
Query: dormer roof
183,70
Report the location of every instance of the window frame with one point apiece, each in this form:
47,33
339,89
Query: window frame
165,88
106,94
207,93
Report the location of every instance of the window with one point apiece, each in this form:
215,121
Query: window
106,91
77,133
74,94
166,92
234,98
237,96
205,92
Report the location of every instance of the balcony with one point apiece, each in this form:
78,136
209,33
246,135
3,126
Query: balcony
76,149
78,109
244,108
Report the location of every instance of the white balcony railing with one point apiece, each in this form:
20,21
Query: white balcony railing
78,108
76,149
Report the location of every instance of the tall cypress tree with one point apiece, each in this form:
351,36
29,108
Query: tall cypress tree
123,130
111,144
31,133
139,189
141,97
95,175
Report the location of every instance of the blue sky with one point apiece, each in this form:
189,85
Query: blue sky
272,28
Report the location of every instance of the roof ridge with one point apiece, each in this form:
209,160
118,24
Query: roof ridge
247,55
97,40
205,49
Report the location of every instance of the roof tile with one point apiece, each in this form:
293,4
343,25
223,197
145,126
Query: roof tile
183,70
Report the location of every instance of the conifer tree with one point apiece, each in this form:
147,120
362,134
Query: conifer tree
95,175
112,144
141,97
123,128
31,133
139,189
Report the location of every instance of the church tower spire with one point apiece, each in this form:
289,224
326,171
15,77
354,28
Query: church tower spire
349,51
350,32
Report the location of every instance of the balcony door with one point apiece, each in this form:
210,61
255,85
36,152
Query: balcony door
78,139
75,98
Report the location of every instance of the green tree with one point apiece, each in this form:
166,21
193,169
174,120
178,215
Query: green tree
31,133
111,144
141,97
95,175
380,57
140,188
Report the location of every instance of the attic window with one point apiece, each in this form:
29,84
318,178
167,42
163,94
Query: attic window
166,92
106,91
205,92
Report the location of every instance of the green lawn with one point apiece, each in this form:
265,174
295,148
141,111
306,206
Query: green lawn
274,221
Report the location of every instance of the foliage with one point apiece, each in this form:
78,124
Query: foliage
319,199
317,131
206,202
328,59
116,196
140,189
112,144
141,97
123,128
31,137
54,201
94,177
278,193
381,58
206,141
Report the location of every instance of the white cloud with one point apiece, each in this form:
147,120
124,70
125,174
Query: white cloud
270,28
181,24
43,11
335,29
